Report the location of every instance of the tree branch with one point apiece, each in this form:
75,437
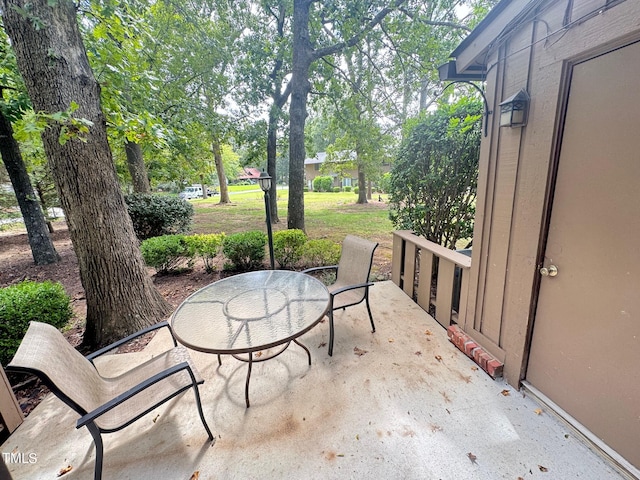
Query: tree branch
337,47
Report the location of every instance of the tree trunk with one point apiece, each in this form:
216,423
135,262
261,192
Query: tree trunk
136,166
302,58
369,189
121,297
272,150
362,186
40,242
222,179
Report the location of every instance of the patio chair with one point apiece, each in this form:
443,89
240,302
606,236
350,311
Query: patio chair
352,279
105,404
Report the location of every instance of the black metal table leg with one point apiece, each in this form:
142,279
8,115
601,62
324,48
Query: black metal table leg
246,388
305,349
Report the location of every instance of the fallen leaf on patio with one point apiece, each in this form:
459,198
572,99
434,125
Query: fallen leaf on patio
538,411
323,344
418,353
428,332
505,392
259,354
156,418
520,478
65,470
391,340
196,475
438,357
359,351
357,437
543,469
340,455
472,457
475,369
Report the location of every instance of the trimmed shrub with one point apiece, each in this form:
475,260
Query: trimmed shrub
156,215
167,253
316,253
244,250
207,247
347,189
287,247
26,301
336,189
323,184
356,190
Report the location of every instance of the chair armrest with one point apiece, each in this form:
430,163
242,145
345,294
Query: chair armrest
351,287
144,331
317,269
111,404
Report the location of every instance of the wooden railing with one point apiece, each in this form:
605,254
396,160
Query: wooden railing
415,261
10,412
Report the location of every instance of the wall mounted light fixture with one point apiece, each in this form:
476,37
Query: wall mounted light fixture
514,110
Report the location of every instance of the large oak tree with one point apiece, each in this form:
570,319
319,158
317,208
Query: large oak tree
121,297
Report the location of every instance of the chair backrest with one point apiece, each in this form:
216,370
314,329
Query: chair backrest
355,260
47,354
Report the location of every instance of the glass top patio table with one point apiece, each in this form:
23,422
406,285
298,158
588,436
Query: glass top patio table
250,312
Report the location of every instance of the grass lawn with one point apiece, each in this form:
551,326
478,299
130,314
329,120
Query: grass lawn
327,215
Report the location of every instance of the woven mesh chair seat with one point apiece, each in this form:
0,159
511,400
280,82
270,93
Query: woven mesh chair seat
47,353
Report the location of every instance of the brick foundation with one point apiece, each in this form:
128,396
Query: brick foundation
471,349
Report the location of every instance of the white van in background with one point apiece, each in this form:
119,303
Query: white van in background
194,191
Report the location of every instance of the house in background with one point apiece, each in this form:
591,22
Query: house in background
249,174
312,170
553,288
347,178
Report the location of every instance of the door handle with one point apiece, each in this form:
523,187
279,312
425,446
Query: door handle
550,271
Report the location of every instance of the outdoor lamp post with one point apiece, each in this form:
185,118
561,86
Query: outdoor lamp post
265,185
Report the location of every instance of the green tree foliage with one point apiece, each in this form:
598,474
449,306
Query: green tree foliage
434,178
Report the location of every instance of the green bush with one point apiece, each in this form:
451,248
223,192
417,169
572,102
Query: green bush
156,215
323,184
434,177
26,301
385,183
167,253
356,190
336,189
347,189
287,247
244,250
316,253
207,247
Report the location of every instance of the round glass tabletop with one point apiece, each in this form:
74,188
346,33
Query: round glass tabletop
250,312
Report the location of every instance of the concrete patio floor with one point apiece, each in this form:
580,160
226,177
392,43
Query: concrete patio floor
411,407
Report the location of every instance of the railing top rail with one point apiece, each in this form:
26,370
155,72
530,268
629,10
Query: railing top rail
459,259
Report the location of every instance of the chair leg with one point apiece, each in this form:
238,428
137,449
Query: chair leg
330,332
97,441
196,392
373,327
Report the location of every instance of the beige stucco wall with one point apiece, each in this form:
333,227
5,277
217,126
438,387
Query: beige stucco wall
515,166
